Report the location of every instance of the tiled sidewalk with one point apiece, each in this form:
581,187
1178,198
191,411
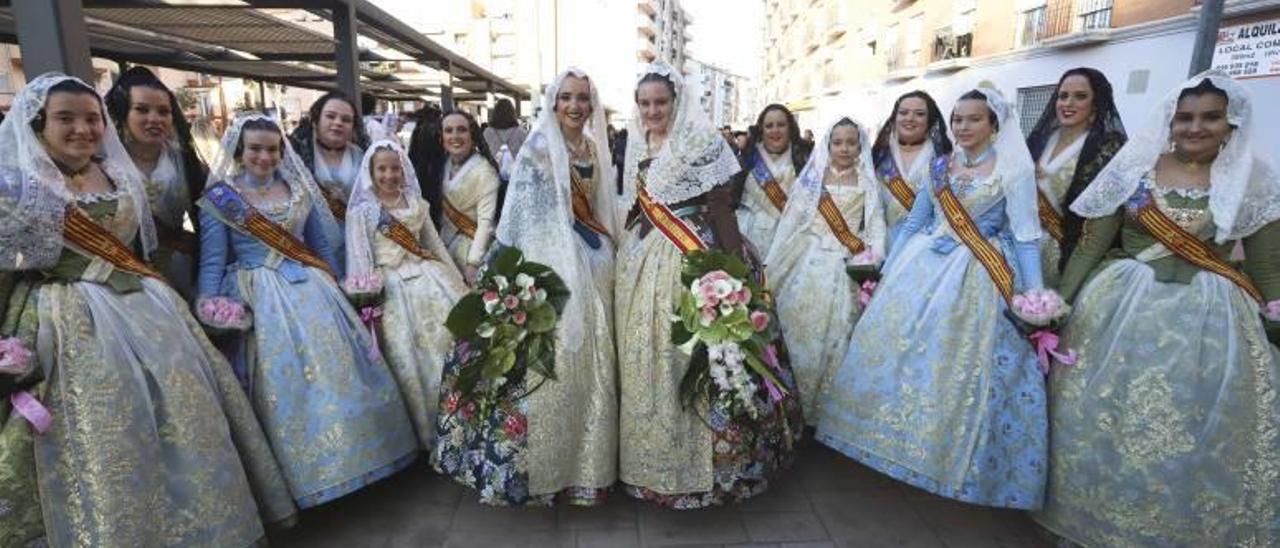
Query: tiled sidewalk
826,500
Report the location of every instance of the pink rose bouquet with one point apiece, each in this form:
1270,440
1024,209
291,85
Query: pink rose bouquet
222,313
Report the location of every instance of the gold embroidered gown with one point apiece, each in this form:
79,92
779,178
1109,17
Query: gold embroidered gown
473,190
1165,431
153,442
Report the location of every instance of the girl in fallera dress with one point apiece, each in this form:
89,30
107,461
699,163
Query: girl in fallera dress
772,159
939,389
327,401
148,438
416,276
833,220
561,440
158,138
471,194
1079,132
678,457
908,142
1164,432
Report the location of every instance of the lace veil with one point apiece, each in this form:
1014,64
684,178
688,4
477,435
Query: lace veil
33,191
1014,168
291,169
694,158
802,204
1244,193
364,209
537,215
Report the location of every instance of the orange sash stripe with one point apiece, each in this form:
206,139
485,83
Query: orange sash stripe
460,220
676,231
902,192
1191,248
83,232
279,239
395,231
582,205
1050,219
827,208
777,196
987,254
336,206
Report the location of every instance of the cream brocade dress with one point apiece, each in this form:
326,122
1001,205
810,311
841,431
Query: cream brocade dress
475,194
817,301
1053,177
419,295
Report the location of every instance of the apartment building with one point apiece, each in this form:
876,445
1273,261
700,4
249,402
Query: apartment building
728,98
825,57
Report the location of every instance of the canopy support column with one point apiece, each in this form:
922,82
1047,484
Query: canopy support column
53,37
347,51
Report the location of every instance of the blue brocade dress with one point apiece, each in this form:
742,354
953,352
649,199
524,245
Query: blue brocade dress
332,412
939,389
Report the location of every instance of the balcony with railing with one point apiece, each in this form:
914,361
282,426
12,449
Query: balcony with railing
837,20
900,64
649,7
951,51
1066,23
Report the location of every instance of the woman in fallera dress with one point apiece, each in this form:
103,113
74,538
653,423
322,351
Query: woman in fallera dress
158,138
1079,132
562,438
905,147
1165,432
772,159
470,191
326,400
682,458
393,249
150,440
939,389
833,220
331,143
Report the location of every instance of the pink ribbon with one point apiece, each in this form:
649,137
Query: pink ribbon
369,317
1046,343
771,358
31,409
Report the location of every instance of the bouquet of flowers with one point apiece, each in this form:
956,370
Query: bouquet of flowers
223,314
724,324
506,327
864,269
365,292
1038,314
17,375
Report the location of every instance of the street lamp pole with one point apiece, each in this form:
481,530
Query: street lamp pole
1206,36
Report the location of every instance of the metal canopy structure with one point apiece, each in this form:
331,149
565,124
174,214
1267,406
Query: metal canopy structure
246,39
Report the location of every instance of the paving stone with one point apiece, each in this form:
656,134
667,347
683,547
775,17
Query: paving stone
613,538
510,538
872,520
783,526
963,525
618,513
472,515
664,527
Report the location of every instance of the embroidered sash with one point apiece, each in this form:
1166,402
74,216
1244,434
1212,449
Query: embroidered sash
962,224
82,231
395,231
460,220
675,229
827,208
898,186
582,205
234,210
1185,244
336,206
760,172
1050,219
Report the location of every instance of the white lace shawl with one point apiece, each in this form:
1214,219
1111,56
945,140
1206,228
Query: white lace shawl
694,159
1244,192
292,170
1014,169
537,216
33,191
802,204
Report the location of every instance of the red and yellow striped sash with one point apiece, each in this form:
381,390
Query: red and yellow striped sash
901,192
777,196
676,231
1050,219
1191,248
235,211
336,206
86,234
460,220
827,208
990,257
397,232
582,205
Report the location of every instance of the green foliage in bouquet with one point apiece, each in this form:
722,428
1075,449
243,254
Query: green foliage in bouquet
505,327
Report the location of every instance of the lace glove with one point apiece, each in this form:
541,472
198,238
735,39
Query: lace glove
989,224
1028,255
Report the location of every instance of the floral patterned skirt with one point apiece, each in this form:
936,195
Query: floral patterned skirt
487,449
